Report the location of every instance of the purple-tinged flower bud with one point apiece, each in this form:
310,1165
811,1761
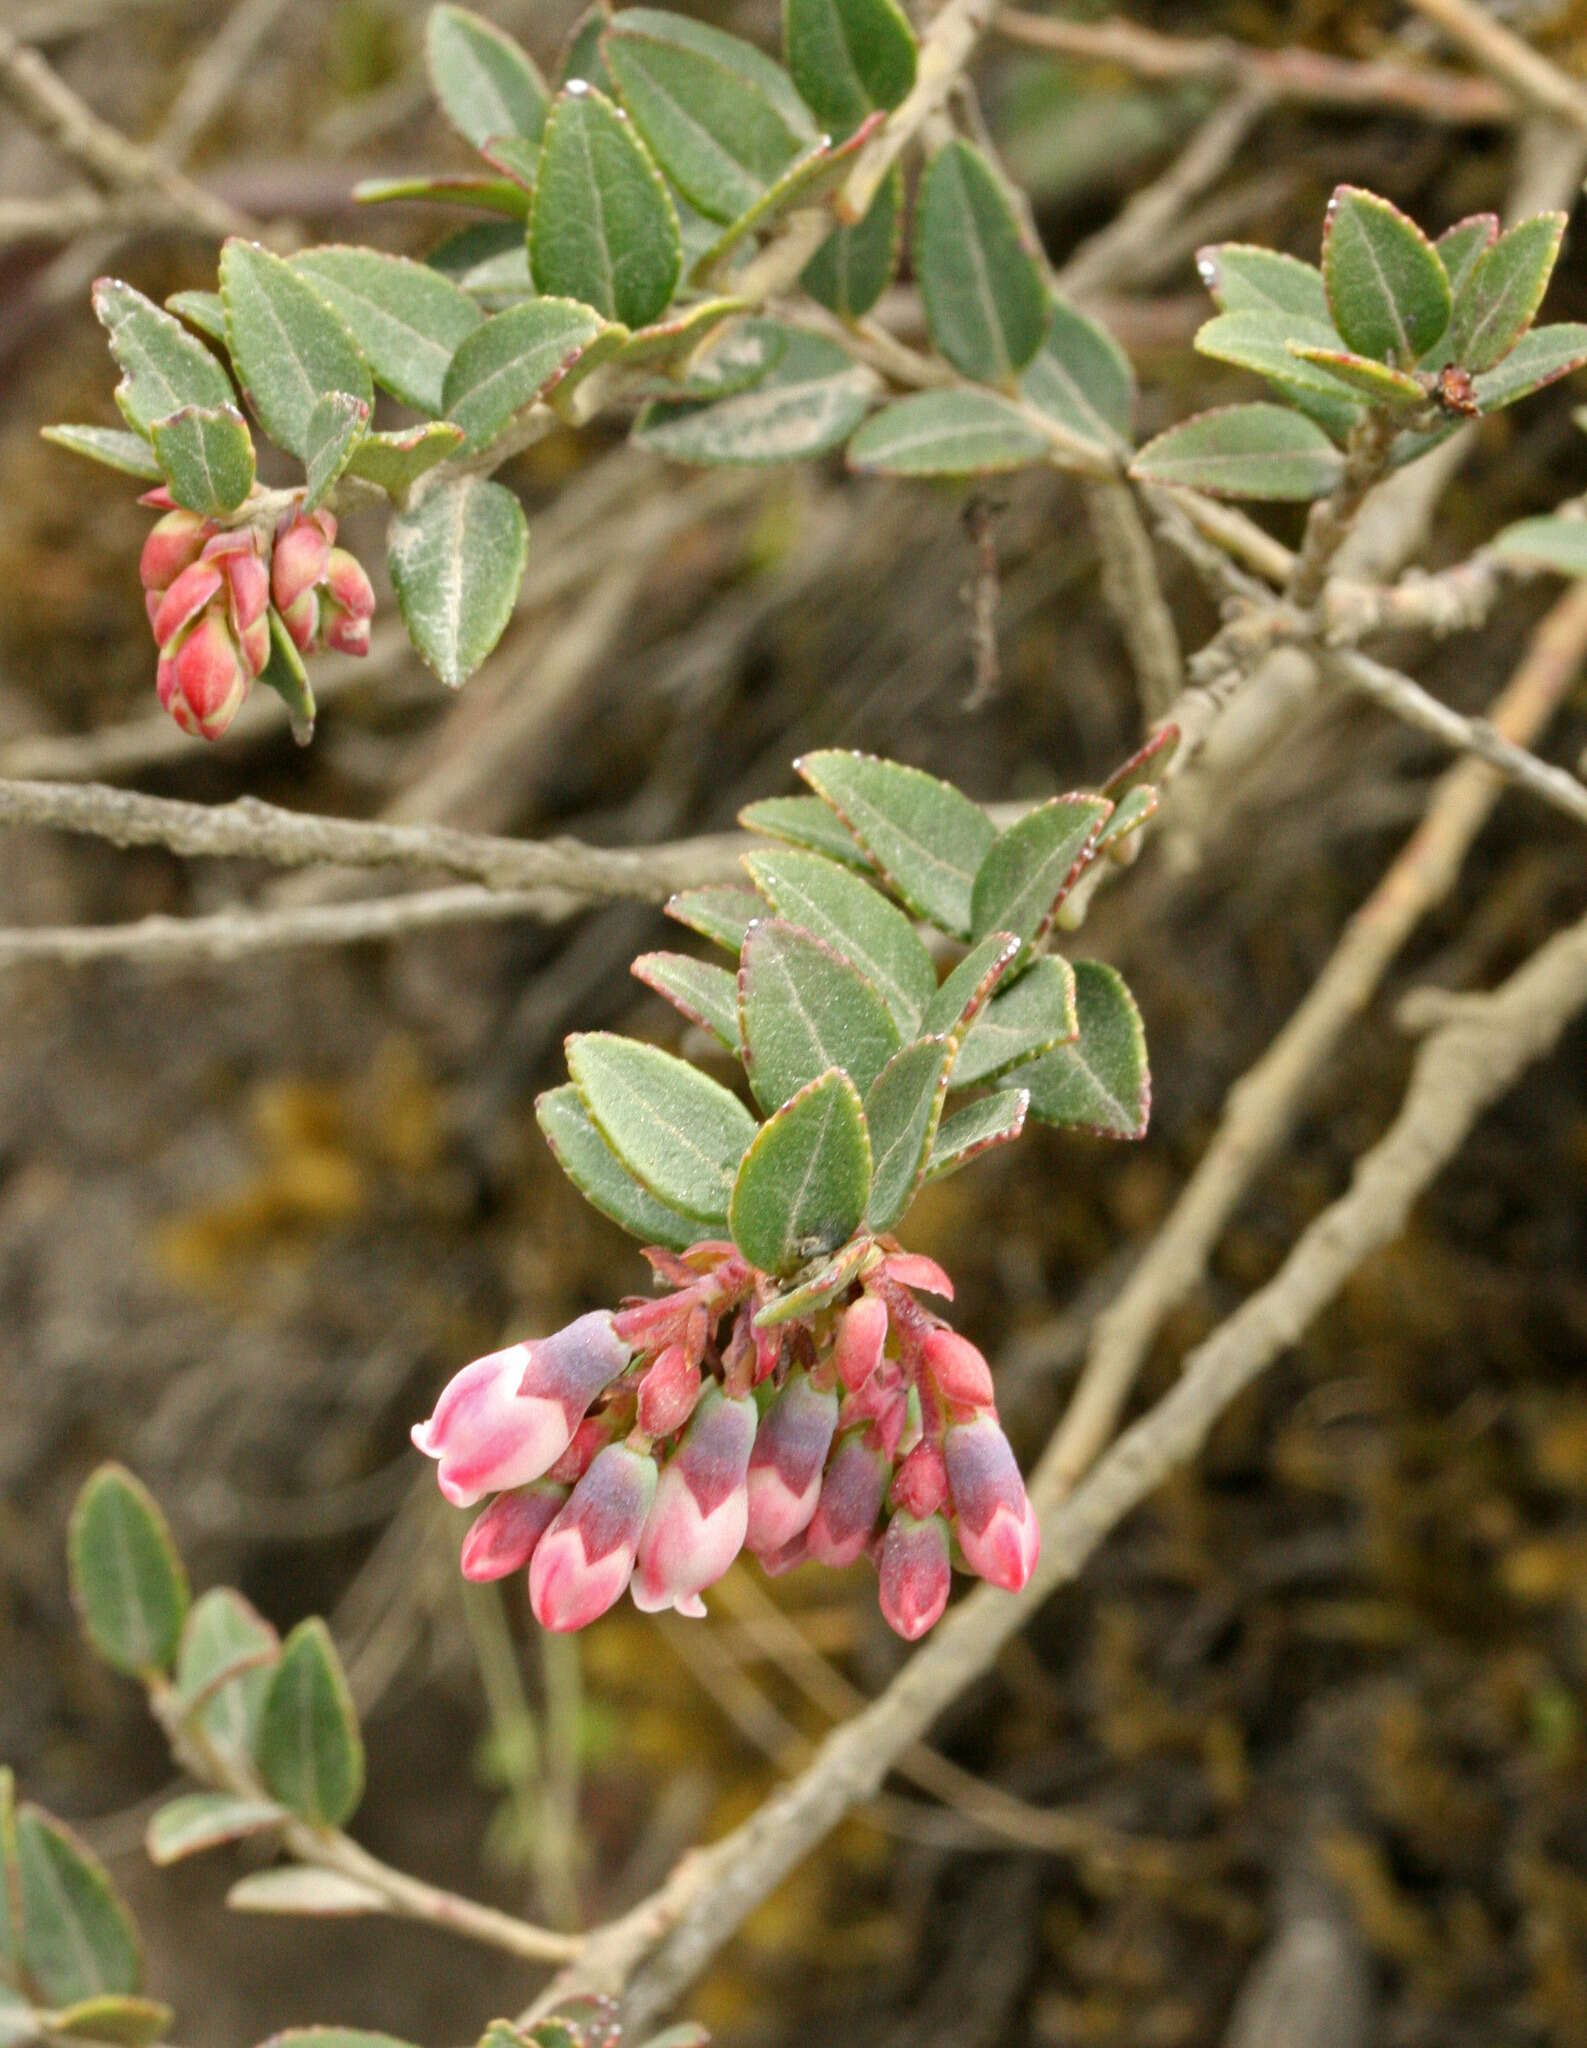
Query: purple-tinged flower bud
862,1336
202,681
785,1466
591,1437
960,1372
920,1484
775,1562
915,1573
504,1535
585,1559
696,1528
300,555
912,1269
173,544
507,1418
668,1392
850,1500
994,1520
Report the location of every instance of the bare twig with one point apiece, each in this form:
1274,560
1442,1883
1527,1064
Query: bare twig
1134,595
668,1939
1502,53
1307,77
1261,1106
108,156
250,830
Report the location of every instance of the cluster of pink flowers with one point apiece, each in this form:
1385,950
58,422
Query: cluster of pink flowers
209,589
643,1450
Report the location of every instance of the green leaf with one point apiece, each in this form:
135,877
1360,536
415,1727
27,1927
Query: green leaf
303,1888
855,265
855,921
720,911
1034,864
396,461
1387,291
986,304
804,1009
848,58
1375,381
968,989
1243,278
1020,1023
581,54
516,158
1545,543
407,318
820,1287
1260,341
902,1111
114,2018
308,1747
805,821
495,195
203,1820
803,1184
1081,379
456,555
223,1667
512,360
675,339
722,120
995,1120
737,358
601,1177
1502,292
1134,806
707,995
163,367
820,170
204,310
111,446
78,1939
336,426
489,260
604,230
1100,1082
289,347
1244,451
285,674
679,1132
1542,355
332,2037
486,84
206,454
947,433
926,837
128,1585
811,400
1459,247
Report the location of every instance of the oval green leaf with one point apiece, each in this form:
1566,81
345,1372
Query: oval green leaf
163,367
986,304
206,453
995,1120
396,461
308,1748
203,1820
848,58
1243,278
407,318
336,426
1388,294
947,433
902,1112
289,346
926,837
1034,864
1101,1082
1081,380
1031,1017
1459,247
968,989
223,1666
110,446
680,1133
802,1188
720,912
1541,356
456,554
810,401
707,995
127,1581
1244,451
855,265
1502,291
305,1888
601,1177
856,921
486,84
807,822
78,1940
115,2019
803,1010
604,229
510,361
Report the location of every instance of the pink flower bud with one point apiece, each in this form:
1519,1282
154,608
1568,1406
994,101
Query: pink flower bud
785,1466
849,1502
506,1418
302,620
696,1528
994,1520
172,546
960,1372
912,1269
593,1434
862,1337
504,1535
347,585
343,633
160,497
915,1573
775,1562
298,560
248,589
668,1392
586,1557
202,682
185,599
920,1484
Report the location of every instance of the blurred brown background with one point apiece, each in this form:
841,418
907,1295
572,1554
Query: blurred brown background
251,1216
